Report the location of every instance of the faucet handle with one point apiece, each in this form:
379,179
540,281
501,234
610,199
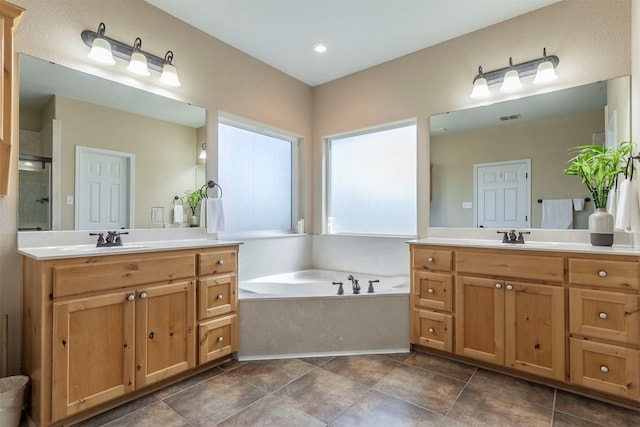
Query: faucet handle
340,289
520,235
505,239
371,282
100,238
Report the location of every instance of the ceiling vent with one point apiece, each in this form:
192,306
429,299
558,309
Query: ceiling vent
511,117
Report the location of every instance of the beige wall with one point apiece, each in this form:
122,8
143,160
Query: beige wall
619,100
165,155
591,38
453,157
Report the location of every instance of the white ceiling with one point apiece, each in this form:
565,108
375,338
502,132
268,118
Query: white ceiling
360,33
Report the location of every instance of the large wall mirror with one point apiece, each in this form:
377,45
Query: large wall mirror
74,125
540,130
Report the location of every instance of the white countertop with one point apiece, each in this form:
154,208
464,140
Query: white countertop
530,246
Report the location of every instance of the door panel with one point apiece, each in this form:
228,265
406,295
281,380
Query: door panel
502,194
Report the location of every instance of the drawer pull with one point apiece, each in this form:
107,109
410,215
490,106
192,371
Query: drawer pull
498,286
219,296
220,339
131,297
430,259
430,290
602,273
604,369
220,262
431,330
509,287
143,295
603,315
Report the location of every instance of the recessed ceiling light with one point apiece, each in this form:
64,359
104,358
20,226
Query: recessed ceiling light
320,47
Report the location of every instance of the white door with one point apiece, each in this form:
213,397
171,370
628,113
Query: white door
502,194
104,189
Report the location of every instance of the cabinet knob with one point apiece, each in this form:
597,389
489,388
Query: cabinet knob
509,287
220,262
604,369
431,330
220,339
602,273
430,259
131,297
603,315
143,295
430,290
219,296
498,286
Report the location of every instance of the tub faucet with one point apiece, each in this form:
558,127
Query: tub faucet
354,284
371,282
340,289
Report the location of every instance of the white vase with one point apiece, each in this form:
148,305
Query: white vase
194,221
601,227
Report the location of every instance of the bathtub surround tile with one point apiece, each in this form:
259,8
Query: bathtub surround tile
442,366
595,411
507,388
270,375
191,381
271,411
156,414
321,394
378,409
214,400
365,369
428,390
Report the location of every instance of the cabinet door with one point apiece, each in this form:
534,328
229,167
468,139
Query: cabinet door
217,295
480,318
432,290
218,338
431,329
534,329
165,323
93,356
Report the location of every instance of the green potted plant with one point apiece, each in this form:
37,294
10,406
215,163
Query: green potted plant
599,168
194,198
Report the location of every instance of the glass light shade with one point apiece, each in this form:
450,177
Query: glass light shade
511,81
170,77
138,64
480,88
545,73
101,51
203,153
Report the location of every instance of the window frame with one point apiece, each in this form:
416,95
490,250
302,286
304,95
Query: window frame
270,131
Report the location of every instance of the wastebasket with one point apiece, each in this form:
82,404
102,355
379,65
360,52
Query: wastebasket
12,399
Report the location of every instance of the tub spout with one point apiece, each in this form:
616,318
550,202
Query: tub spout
354,284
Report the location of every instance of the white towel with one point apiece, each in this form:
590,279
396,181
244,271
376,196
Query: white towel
557,213
215,215
178,214
578,204
628,209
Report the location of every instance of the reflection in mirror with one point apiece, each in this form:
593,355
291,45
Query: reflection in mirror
63,110
541,128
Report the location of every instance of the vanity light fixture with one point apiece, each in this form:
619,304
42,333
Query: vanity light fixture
139,60
203,152
543,68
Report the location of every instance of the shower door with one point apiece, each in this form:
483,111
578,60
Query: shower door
34,188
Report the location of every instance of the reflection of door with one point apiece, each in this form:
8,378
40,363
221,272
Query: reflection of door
502,194
104,189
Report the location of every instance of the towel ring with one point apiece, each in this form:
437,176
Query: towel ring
211,184
175,199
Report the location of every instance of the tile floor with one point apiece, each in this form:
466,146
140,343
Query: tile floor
412,389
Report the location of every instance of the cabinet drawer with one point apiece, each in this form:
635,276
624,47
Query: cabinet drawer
600,314
604,273
217,262
431,329
432,290
606,368
533,267
217,295
98,276
218,338
431,259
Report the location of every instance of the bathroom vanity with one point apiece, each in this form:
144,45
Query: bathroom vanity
562,314
105,325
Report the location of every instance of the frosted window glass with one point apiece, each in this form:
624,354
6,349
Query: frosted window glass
372,183
255,172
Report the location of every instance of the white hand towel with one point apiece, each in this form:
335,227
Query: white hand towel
557,213
178,214
578,204
628,212
215,215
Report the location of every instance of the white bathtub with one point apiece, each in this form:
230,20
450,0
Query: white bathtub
299,314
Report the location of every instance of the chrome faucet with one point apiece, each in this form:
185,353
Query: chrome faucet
354,284
113,238
510,236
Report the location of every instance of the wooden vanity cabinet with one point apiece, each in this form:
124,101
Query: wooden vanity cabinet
98,329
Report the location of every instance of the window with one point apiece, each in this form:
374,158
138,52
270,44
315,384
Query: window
372,182
255,171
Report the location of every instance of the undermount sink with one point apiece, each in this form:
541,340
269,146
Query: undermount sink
94,249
